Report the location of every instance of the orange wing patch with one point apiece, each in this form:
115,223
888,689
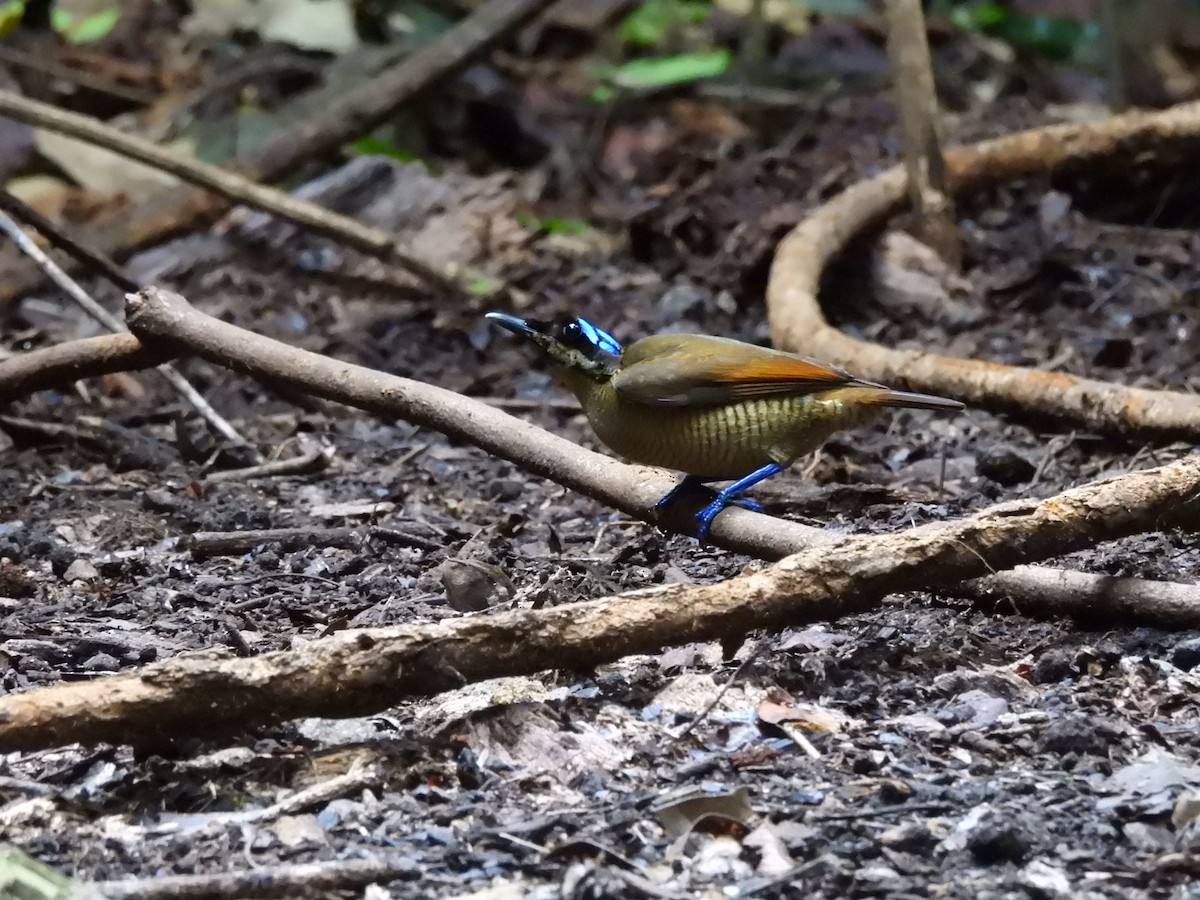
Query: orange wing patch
775,371
711,371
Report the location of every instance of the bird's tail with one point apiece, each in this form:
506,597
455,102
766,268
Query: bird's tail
869,395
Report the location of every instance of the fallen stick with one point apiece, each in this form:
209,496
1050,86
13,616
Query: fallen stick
202,544
305,464
1042,592
798,323
356,673
60,365
297,880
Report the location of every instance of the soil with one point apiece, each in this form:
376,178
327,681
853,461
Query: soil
929,749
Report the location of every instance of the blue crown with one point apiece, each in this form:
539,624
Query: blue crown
599,338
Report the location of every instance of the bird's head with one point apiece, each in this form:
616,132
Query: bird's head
575,344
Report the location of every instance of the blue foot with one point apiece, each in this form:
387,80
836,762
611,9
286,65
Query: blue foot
727,496
746,503
705,517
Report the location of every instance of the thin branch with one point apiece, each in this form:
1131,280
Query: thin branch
305,464
356,673
798,324
60,365
203,544
300,880
89,305
21,211
233,187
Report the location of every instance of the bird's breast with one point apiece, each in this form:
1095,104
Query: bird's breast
719,442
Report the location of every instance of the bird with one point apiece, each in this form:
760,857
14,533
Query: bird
713,408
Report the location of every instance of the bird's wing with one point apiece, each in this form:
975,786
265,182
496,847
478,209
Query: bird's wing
699,370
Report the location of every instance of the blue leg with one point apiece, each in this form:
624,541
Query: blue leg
729,494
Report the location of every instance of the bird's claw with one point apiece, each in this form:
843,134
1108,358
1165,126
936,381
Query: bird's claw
704,518
702,521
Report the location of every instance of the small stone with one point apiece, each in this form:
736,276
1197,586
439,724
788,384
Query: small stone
1186,655
996,840
81,570
1044,880
1075,734
1004,466
101,662
910,837
61,558
471,585
894,790
504,490
1053,666
1151,838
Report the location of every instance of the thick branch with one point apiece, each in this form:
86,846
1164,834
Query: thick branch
58,366
797,322
1094,600
362,672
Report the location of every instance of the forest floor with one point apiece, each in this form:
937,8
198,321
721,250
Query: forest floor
929,749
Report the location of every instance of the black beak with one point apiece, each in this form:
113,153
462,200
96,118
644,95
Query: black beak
515,324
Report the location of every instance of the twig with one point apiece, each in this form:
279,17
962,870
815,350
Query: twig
716,700
360,672
234,543
52,70
53,367
312,137
202,544
301,880
103,265
897,809
797,322
305,464
113,324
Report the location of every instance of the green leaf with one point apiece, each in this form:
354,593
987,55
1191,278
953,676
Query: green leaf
10,15
647,25
1051,36
376,146
87,29
551,224
483,285
664,70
